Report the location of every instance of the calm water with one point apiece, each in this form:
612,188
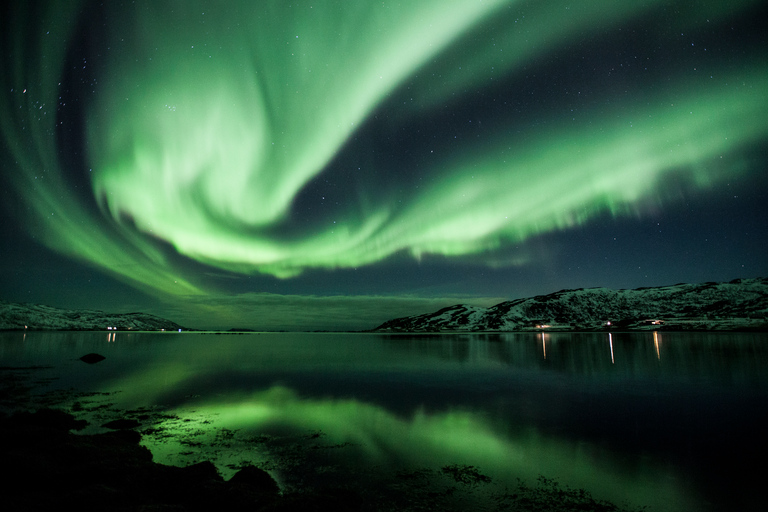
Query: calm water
675,421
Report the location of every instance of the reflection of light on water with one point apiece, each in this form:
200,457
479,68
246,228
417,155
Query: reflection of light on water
656,341
380,438
610,344
211,387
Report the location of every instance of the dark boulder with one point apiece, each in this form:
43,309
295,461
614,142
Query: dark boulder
92,358
256,480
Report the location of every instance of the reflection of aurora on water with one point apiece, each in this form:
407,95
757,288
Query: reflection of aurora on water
215,132
652,421
380,441
399,426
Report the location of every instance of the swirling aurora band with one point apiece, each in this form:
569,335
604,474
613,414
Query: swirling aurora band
205,125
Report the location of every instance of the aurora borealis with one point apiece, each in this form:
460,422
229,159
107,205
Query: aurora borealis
241,160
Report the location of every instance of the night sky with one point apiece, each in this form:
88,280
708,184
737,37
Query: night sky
334,164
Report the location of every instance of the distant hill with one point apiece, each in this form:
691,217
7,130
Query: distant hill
14,316
741,304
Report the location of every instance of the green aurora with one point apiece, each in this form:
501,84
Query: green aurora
203,127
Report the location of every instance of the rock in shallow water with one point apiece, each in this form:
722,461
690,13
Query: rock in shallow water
53,468
256,479
92,358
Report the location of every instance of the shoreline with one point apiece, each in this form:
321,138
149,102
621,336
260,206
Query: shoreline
111,470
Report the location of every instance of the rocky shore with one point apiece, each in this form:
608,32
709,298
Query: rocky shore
52,467
51,464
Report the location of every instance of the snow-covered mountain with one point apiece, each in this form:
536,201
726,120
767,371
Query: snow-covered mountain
38,317
741,304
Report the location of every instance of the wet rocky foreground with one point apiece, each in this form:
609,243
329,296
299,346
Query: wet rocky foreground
51,467
52,464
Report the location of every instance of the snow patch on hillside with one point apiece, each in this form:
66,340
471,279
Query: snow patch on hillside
14,316
741,304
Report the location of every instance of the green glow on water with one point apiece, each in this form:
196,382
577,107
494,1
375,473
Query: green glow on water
424,440
214,386
500,403
206,125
